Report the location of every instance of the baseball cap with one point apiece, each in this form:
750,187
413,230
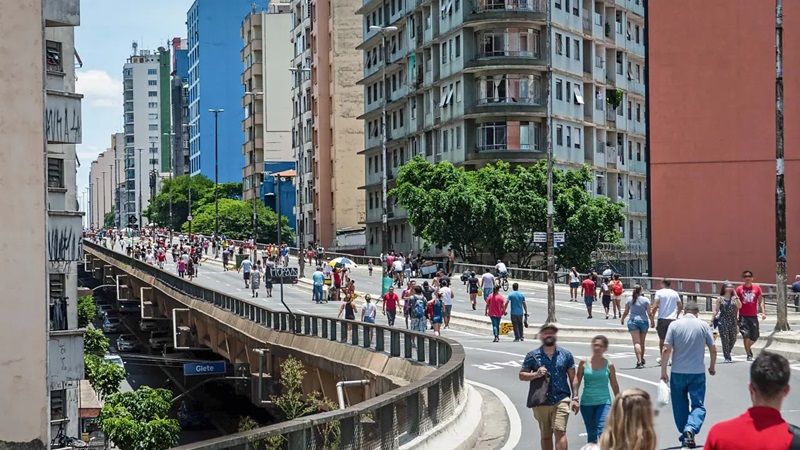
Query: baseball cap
548,326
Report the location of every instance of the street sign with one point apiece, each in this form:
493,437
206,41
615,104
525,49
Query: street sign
189,218
559,237
540,237
204,368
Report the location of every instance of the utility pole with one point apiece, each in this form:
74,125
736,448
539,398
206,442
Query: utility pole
139,173
171,156
780,191
254,177
551,257
216,168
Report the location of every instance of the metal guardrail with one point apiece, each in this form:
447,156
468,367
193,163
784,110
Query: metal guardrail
383,422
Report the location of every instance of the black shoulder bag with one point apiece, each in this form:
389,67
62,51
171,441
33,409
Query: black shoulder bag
537,391
795,445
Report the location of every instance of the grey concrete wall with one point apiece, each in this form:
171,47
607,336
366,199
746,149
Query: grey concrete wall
24,327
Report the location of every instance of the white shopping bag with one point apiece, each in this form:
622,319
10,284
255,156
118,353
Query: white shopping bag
663,394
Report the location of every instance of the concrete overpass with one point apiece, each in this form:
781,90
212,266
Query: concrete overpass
415,391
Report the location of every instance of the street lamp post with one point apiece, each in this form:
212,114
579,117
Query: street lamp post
551,258
253,178
301,224
780,189
278,180
190,218
171,155
384,181
139,173
216,113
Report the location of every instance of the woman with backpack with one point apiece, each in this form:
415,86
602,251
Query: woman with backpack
436,312
417,310
616,291
639,308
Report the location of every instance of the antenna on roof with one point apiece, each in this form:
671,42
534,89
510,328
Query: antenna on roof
255,7
135,47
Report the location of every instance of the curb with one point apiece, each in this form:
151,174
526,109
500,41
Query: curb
460,432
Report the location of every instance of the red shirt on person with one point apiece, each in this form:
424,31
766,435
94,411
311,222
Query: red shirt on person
759,428
390,299
494,305
588,288
749,297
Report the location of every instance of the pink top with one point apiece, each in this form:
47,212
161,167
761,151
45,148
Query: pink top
495,303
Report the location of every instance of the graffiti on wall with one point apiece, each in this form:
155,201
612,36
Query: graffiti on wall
63,120
64,244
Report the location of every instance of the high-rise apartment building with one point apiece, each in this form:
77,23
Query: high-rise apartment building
267,98
327,134
465,81
712,141
102,176
215,82
144,98
179,100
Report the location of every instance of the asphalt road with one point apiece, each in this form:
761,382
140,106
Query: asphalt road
496,365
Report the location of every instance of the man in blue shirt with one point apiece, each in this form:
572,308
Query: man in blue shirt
318,278
518,308
559,364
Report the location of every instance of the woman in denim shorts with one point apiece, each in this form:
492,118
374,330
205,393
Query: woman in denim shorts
638,306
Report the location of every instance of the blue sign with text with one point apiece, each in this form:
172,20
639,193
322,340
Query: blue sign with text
204,368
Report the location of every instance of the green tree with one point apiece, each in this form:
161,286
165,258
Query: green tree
236,221
109,219
178,189
105,377
87,311
137,420
94,341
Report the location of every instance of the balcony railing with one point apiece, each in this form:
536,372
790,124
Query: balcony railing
508,53
599,62
512,5
536,100
505,148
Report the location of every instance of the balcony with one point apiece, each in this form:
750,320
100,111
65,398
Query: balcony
63,120
509,9
496,152
611,116
250,72
508,106
62,13
637,166
508,59
255,45
611,157
637,206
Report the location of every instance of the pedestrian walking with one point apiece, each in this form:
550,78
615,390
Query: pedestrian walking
574,284
436,314
417,310
245,268
390,301
472,289
667,307
750,295
518,307
368,312
446,294
605,295
181,268
408,302
269,273
726,319
225,256
190,269
639,308
494,309
558,365
629,425
597,373
255,279
369,267
587,292
349,309
760,427
487,283
686,341
318,279
616,291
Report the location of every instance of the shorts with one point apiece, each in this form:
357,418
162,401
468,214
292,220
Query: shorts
588,299
436,319
247,275
748,326
661,327
606,301
574,285
552,418
638,325
473,290
447,310
487,291
369,319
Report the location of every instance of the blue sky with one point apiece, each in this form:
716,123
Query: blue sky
103,40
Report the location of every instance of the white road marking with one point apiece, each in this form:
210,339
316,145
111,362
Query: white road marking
301,311
514,421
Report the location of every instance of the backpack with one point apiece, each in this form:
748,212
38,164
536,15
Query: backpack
418,311
617,287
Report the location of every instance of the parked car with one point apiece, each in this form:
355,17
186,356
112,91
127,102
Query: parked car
128,343
149,325
160,340
102,305
129,306
115,359
104,308
112,325
191,415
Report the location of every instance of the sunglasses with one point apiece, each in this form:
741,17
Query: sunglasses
747,276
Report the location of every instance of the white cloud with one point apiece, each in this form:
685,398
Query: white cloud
100,90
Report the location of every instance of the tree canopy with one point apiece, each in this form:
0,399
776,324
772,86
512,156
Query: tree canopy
236,221
178,189
496,209
138,419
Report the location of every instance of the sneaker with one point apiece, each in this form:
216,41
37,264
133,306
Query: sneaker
590,316
643,362
639,365
688,439
473,306
750,357
658,360
521,339
606,316
516,340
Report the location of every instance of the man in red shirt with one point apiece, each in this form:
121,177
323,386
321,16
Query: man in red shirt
588,287
762,426
390,300
750,294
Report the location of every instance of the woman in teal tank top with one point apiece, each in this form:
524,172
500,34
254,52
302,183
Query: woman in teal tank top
596,373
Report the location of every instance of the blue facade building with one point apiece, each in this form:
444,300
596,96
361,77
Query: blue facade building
181,63
215,82
269,190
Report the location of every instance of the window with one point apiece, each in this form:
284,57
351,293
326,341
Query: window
639,190
152,93
152,116
559,45
57,405
641,229
152,82
444,52
370,200
559,134
576,92
54,56
401,113
569,88
567,46
630,228
153,127
152,71
58,301
577,50
458,46
577,137
638,151
55,172
559,91
638,31
152,105
575,11
630,110
458,136
569,136
445,141
492,136
458,92
457,5
566,6
638,112
558,4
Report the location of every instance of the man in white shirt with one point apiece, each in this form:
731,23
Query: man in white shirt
487,283
667,307
397,268
447,299
608,273
501,268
